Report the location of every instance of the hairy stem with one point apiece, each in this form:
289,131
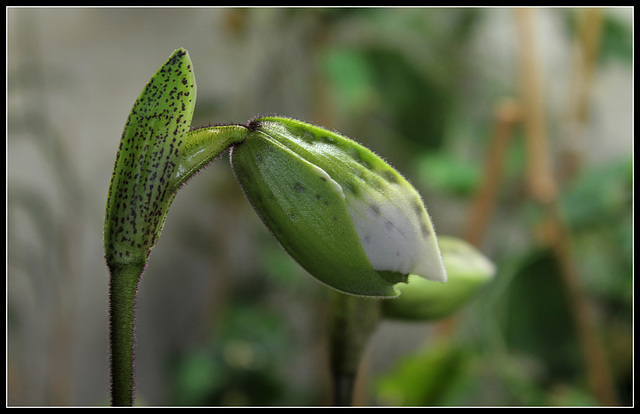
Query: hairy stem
123,290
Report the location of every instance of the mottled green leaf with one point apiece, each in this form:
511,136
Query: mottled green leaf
141,186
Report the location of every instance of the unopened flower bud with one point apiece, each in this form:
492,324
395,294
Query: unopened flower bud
339,210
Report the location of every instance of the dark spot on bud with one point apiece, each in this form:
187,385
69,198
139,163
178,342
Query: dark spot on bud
425,230
306,135
352,188
357,156
390,176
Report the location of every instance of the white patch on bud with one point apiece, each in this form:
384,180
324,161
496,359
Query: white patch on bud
394,238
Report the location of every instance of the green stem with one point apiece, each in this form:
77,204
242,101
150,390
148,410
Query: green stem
352,322
123,289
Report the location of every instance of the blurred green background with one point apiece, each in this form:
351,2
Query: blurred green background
224,317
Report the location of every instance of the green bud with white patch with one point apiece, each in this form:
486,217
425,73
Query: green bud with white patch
339,210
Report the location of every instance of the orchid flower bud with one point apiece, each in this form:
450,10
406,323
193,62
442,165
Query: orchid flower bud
339,210
468,271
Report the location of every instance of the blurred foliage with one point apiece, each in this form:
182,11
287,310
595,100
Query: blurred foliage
448,174
241,365
407,93
428,377
531,354
598,206
616,38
